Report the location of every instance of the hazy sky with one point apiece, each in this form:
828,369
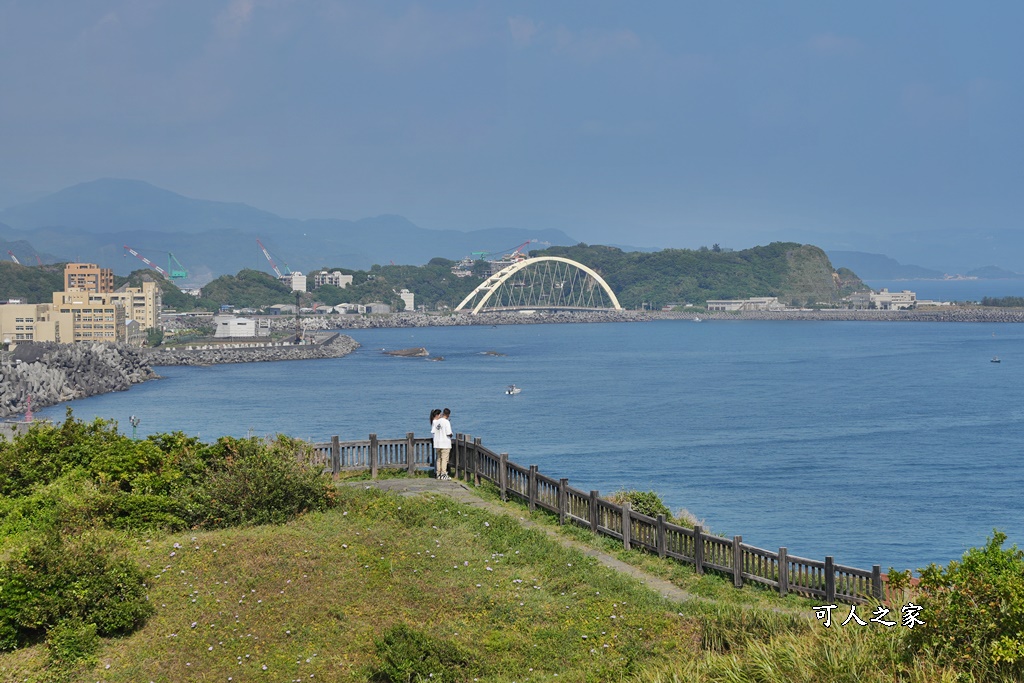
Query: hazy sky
653,124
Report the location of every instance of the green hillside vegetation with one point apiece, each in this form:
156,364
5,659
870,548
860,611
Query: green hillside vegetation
32,284
171,296
248,289
433,284
796,274
168,559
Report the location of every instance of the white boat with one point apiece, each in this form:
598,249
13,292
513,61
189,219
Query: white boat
696,319
512,389
995,359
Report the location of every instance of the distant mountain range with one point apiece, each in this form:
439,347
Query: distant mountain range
879,267
93,222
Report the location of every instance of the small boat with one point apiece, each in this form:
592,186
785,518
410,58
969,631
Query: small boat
995,359
512,390
696,319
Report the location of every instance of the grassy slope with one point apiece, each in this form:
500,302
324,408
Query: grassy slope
307,599
305,602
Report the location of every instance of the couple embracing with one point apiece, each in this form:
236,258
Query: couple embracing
441,429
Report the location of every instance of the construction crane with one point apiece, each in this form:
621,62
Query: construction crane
13,257
145,260
178,273
277,271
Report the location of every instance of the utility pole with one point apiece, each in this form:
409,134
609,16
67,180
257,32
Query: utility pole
298,321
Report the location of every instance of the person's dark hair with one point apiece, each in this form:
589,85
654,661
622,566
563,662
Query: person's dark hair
434,413
447,412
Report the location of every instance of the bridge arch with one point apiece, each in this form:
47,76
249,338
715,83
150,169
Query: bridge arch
554,275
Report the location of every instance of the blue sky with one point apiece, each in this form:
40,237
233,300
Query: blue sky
651,124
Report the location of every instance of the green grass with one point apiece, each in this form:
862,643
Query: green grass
312,599
308,598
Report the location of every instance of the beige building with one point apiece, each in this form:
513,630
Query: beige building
88,277
142,304
34,323
95,317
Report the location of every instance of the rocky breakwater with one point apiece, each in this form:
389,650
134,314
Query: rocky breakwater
53,373
333,346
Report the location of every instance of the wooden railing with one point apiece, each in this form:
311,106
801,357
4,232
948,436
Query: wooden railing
472,462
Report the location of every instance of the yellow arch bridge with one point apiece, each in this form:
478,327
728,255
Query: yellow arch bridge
542,282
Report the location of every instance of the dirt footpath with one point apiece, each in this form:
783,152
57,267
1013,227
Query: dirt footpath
464,493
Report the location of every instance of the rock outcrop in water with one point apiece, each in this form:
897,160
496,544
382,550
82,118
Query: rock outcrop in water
52,373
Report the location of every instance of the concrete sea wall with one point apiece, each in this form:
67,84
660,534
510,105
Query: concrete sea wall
334,346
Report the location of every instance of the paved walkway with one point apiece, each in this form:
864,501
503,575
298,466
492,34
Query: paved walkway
465,494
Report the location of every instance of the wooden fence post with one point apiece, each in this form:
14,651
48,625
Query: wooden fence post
475,458
563,499
698,549
660,536
410,453
335,456
592,511
373,456
627,526
783,572
737,562
456,460
830,579
503,475
531,489
462,456
876,583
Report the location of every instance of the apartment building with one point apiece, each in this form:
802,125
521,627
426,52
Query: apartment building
88,277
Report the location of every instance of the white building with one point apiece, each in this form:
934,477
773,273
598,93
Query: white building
409,298
894,301
296,280
754,303
336,278
230,327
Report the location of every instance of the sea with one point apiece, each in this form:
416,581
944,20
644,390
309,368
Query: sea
891,443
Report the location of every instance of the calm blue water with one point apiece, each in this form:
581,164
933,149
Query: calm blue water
891,443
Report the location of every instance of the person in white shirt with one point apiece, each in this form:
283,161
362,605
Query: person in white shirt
441,429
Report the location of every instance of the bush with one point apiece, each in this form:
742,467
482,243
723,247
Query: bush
974,610
253,482
70,641
645,502
54,580
409,655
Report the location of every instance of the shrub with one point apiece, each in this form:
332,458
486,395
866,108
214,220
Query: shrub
410,655
54,580
253,482
645,502
974,610
70,641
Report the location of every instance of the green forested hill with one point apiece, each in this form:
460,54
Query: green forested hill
32,284
795,273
